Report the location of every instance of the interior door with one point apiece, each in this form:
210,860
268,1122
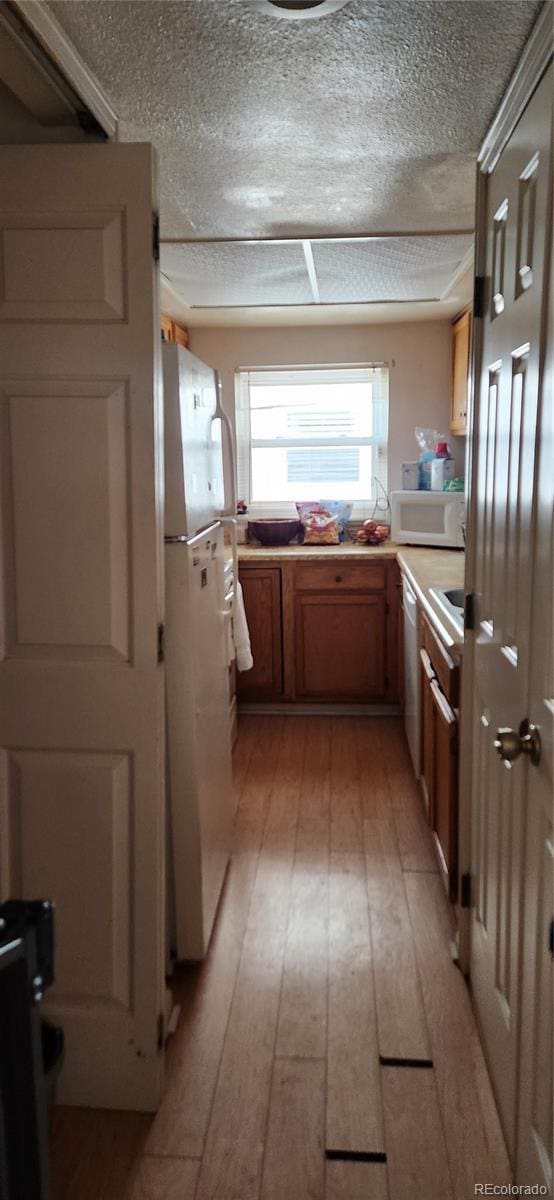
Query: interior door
535,1124
505,445
82,805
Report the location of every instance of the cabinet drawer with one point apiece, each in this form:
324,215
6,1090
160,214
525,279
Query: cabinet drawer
347,577
446,670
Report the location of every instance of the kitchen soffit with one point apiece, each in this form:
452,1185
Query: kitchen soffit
359,271
366,120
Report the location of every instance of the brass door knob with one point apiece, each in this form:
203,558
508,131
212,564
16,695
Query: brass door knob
527,740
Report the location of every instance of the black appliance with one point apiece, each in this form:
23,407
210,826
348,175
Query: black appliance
31,1049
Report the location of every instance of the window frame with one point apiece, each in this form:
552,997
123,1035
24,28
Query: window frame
244,376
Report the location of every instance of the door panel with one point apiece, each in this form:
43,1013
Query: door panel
262,601
81,690
58,801
339,642
505,444
69,590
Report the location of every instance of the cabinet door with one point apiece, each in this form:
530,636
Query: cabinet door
445,806
340,647
461,335
180,335
262,600
166,325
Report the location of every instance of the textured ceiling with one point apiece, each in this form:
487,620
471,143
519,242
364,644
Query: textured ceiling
366,120
239,274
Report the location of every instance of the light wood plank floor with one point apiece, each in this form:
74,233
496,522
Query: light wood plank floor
329,970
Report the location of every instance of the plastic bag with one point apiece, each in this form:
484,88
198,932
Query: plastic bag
427,440
342,510
321,528
309,510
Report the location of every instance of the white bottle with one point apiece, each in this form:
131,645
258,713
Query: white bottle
441,470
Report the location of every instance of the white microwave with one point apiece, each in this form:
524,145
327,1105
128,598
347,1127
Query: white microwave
428,518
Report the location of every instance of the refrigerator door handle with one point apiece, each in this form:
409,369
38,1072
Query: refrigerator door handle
221,415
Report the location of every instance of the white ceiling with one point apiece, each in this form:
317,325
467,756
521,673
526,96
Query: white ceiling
238,274
458,295
364,121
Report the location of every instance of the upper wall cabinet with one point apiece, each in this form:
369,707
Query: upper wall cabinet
461,343
172,332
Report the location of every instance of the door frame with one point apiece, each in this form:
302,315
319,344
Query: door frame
532,65
44,38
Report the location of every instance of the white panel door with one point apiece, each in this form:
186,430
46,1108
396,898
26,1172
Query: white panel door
535,1124
506,443
81,690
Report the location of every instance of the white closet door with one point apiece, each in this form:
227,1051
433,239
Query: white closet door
81,733
506,441
535,1132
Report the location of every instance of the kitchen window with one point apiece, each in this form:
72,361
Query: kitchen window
308,433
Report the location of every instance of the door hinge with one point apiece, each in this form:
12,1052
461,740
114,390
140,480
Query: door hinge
469,610
156,237
465,890
161,643
160,1031
479,296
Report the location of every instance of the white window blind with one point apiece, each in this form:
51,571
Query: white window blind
311,433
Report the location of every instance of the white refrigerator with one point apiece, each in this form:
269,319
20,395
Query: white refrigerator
199,775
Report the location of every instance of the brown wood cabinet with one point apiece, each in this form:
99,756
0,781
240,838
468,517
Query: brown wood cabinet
439,752
180,335
262,600
172,331
461,343
322,631
166,325
340,647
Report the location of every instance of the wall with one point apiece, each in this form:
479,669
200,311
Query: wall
419,391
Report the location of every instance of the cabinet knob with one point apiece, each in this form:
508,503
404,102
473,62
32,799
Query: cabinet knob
338,578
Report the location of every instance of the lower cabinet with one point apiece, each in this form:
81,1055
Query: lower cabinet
322,631
439,764
261,587
340,647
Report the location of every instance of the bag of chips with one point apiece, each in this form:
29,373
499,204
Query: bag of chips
324,521
321,528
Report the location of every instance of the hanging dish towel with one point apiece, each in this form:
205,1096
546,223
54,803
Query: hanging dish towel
241,635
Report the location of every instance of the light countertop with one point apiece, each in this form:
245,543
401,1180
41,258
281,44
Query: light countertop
428,568
425,567
250,553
